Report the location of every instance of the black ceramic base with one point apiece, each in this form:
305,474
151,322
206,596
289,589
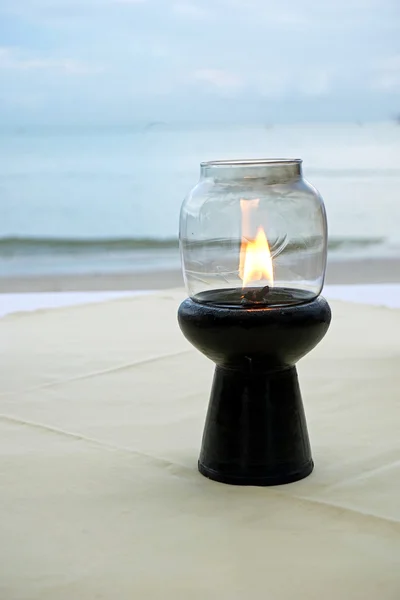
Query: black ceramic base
255,431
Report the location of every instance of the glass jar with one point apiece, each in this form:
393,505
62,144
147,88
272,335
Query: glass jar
253,233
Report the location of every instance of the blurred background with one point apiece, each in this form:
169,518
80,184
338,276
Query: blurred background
107,108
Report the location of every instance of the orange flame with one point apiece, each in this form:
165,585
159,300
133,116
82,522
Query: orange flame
255,256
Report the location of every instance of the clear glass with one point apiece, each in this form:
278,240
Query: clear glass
253,232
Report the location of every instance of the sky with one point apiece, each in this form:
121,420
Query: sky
120,62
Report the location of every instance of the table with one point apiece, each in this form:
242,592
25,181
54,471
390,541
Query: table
102,407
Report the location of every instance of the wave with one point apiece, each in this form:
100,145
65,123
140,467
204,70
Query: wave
339,243
45,245
15,245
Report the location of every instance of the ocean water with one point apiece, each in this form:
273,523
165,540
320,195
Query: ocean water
103,201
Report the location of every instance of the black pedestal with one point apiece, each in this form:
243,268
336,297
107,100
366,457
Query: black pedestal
255,431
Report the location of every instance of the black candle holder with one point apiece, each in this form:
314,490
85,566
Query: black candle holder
255,431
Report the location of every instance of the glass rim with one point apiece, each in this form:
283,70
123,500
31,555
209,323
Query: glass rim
252,162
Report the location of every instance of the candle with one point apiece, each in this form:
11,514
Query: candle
253,245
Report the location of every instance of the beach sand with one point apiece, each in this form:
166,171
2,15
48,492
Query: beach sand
338,272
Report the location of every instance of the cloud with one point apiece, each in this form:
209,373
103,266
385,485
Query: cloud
218,78
387,77
286,80
273,84
189,10
316,83
128,1
11,58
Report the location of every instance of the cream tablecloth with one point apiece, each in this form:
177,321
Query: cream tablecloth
102,409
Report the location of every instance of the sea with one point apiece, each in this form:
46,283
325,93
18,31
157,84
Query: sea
87,201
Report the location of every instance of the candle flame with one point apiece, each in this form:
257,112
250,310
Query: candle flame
255,255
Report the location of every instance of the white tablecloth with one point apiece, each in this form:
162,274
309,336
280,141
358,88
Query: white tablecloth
102,409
